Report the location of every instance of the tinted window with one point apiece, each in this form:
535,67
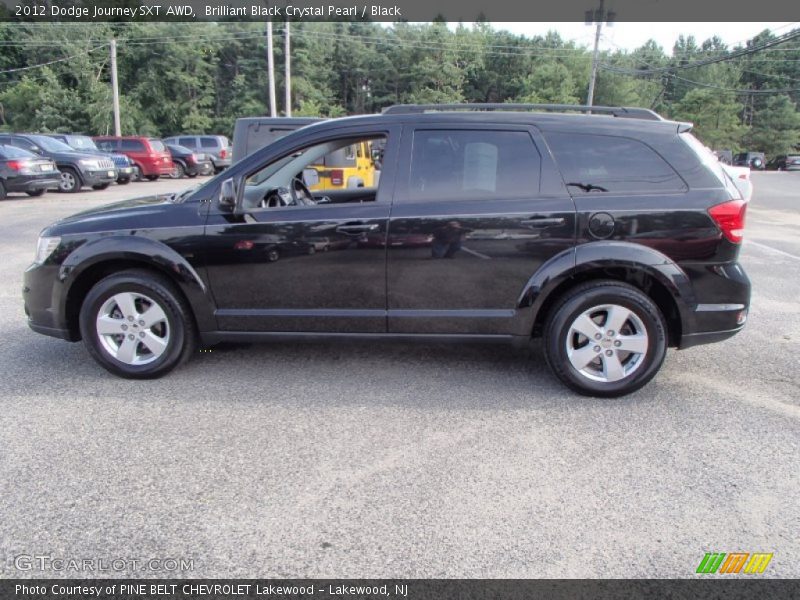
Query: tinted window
616,164
187,141
208,142
108,145
463,165
132,145
13,152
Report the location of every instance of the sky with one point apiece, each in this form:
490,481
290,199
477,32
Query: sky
630,36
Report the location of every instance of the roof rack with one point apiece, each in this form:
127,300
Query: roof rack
616,111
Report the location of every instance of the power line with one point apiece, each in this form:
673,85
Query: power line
52,62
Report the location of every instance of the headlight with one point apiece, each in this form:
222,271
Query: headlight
45,247
89,163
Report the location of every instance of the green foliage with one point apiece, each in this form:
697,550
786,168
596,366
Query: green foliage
201,77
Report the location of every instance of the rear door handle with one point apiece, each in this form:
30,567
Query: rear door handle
357,227
535,222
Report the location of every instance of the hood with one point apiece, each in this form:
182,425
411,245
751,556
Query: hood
137,213
69,156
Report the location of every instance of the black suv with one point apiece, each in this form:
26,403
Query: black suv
611,236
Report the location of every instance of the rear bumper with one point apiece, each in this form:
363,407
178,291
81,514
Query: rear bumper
221,163
158,168
31,183
722,294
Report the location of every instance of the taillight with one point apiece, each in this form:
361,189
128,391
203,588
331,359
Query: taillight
729,216
743,176
223,153
191,159
15,165
337,176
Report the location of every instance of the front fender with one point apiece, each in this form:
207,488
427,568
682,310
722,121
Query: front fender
149,253
597,256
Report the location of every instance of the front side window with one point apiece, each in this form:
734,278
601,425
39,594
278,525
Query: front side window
107,145
316,175
472,165
186,141
208,142
604,163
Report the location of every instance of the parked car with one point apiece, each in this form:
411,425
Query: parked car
785,162
77,169
609,236
253,133
149,155
754,160
187,162
23,171
724,156
217,147
741,179
83,143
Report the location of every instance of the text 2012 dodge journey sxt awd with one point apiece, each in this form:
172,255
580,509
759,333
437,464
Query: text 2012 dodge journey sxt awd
610,236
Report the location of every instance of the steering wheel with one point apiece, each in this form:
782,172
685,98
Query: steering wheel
301,195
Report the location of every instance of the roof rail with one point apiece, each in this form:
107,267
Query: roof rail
616,111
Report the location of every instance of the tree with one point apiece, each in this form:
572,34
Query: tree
715,117
776,127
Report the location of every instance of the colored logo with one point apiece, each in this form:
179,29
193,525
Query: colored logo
734,562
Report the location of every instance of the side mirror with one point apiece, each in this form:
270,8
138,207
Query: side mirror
310,177
227,195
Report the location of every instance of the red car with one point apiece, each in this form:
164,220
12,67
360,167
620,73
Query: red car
150,155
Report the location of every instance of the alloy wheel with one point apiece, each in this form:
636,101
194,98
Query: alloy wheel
133,328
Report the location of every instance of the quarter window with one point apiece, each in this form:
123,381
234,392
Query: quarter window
473,164
592,163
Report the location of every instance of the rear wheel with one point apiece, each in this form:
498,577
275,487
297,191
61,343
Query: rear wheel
135,324
151,177
177,170
605,339
70,181
36,193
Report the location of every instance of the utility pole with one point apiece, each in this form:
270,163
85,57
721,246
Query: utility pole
273,111
288,57
115,88
598,16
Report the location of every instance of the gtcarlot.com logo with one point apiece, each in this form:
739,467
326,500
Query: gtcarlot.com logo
44,562
734,562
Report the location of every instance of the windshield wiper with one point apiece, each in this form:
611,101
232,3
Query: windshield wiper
588,187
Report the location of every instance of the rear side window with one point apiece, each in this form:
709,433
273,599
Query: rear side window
613,164
186,141
208,142
469,165
132,145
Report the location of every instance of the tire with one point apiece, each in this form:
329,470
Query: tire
192,175
137,173
3,193
100,186
178,170
70,182
272,255
36,193
123,181
608,372
172,334
151,177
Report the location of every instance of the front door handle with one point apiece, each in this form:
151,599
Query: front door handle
535,222
351,228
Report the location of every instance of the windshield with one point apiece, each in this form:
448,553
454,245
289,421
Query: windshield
50,144
81,142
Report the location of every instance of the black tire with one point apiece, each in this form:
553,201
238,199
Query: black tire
36,193
178,170
123,181
182,333
3,193
137,173
192,175
70,181
273,255
151,177
100,186
583,298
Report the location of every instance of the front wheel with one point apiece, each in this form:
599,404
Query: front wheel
135,324
36,193
151,177
70,181
605,339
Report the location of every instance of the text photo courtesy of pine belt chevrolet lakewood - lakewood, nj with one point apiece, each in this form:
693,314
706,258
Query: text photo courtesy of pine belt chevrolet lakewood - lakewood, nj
302,300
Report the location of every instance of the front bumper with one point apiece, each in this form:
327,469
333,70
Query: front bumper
42,295
99,177
125,172
32,183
